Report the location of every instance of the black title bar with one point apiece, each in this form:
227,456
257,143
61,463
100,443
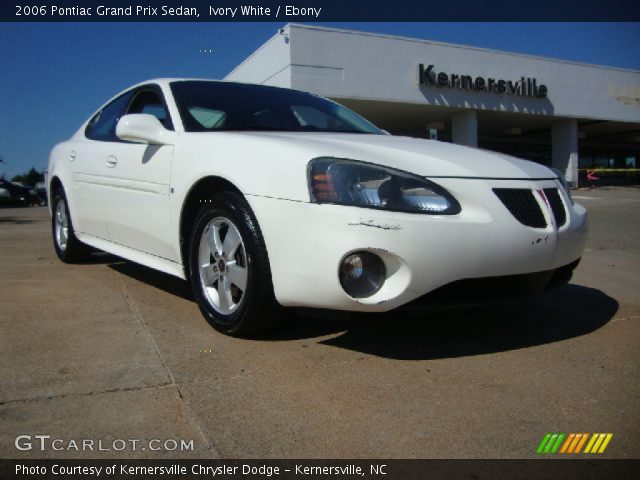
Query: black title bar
317,469
315,11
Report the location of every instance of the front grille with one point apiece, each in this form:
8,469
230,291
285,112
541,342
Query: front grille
522,205
556,205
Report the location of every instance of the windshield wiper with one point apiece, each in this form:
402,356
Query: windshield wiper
253,129
282,129
349,131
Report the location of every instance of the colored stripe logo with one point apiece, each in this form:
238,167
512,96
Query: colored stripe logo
574,443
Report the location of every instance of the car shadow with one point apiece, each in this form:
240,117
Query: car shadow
97,257
168,283
568,312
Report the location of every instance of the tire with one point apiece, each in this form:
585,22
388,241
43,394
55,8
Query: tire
67,246
232,288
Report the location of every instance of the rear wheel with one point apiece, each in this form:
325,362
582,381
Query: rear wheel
229,267
68,248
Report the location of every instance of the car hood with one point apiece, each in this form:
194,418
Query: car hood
428,158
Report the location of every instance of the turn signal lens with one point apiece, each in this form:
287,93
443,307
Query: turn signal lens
323,186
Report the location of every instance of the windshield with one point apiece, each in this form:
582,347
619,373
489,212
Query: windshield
213,106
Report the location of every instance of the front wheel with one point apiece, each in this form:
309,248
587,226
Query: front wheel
229,267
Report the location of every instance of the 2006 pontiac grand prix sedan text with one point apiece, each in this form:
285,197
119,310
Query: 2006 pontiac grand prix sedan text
266,197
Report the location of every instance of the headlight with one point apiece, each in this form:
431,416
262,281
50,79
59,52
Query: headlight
360,184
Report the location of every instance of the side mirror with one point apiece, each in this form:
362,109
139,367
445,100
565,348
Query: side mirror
144,128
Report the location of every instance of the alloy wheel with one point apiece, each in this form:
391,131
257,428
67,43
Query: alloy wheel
61,225
223,265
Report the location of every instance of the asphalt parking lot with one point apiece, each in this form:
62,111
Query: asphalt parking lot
112,350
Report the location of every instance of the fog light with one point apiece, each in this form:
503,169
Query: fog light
362,274
352,268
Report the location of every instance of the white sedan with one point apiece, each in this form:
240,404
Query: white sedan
265,197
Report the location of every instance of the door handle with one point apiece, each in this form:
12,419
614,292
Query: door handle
72,155
112,161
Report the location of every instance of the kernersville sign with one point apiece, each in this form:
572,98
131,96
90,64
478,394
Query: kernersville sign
525,86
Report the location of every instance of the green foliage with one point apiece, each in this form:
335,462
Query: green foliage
30,178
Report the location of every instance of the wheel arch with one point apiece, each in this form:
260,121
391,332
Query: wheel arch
201,190
55,185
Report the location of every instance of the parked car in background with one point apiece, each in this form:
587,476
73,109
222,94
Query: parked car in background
41,191
266,197
19,195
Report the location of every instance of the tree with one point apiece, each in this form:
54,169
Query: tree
30,178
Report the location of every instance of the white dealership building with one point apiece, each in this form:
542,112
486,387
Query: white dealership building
552,111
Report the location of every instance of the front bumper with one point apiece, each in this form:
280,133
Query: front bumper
487,290
306,243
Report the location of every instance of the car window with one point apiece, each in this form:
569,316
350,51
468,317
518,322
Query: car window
311,118
209,106
149,102
267,119
103,124
208,117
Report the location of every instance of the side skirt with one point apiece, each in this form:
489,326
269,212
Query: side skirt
143,258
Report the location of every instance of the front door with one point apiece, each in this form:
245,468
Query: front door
140,175
123,187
